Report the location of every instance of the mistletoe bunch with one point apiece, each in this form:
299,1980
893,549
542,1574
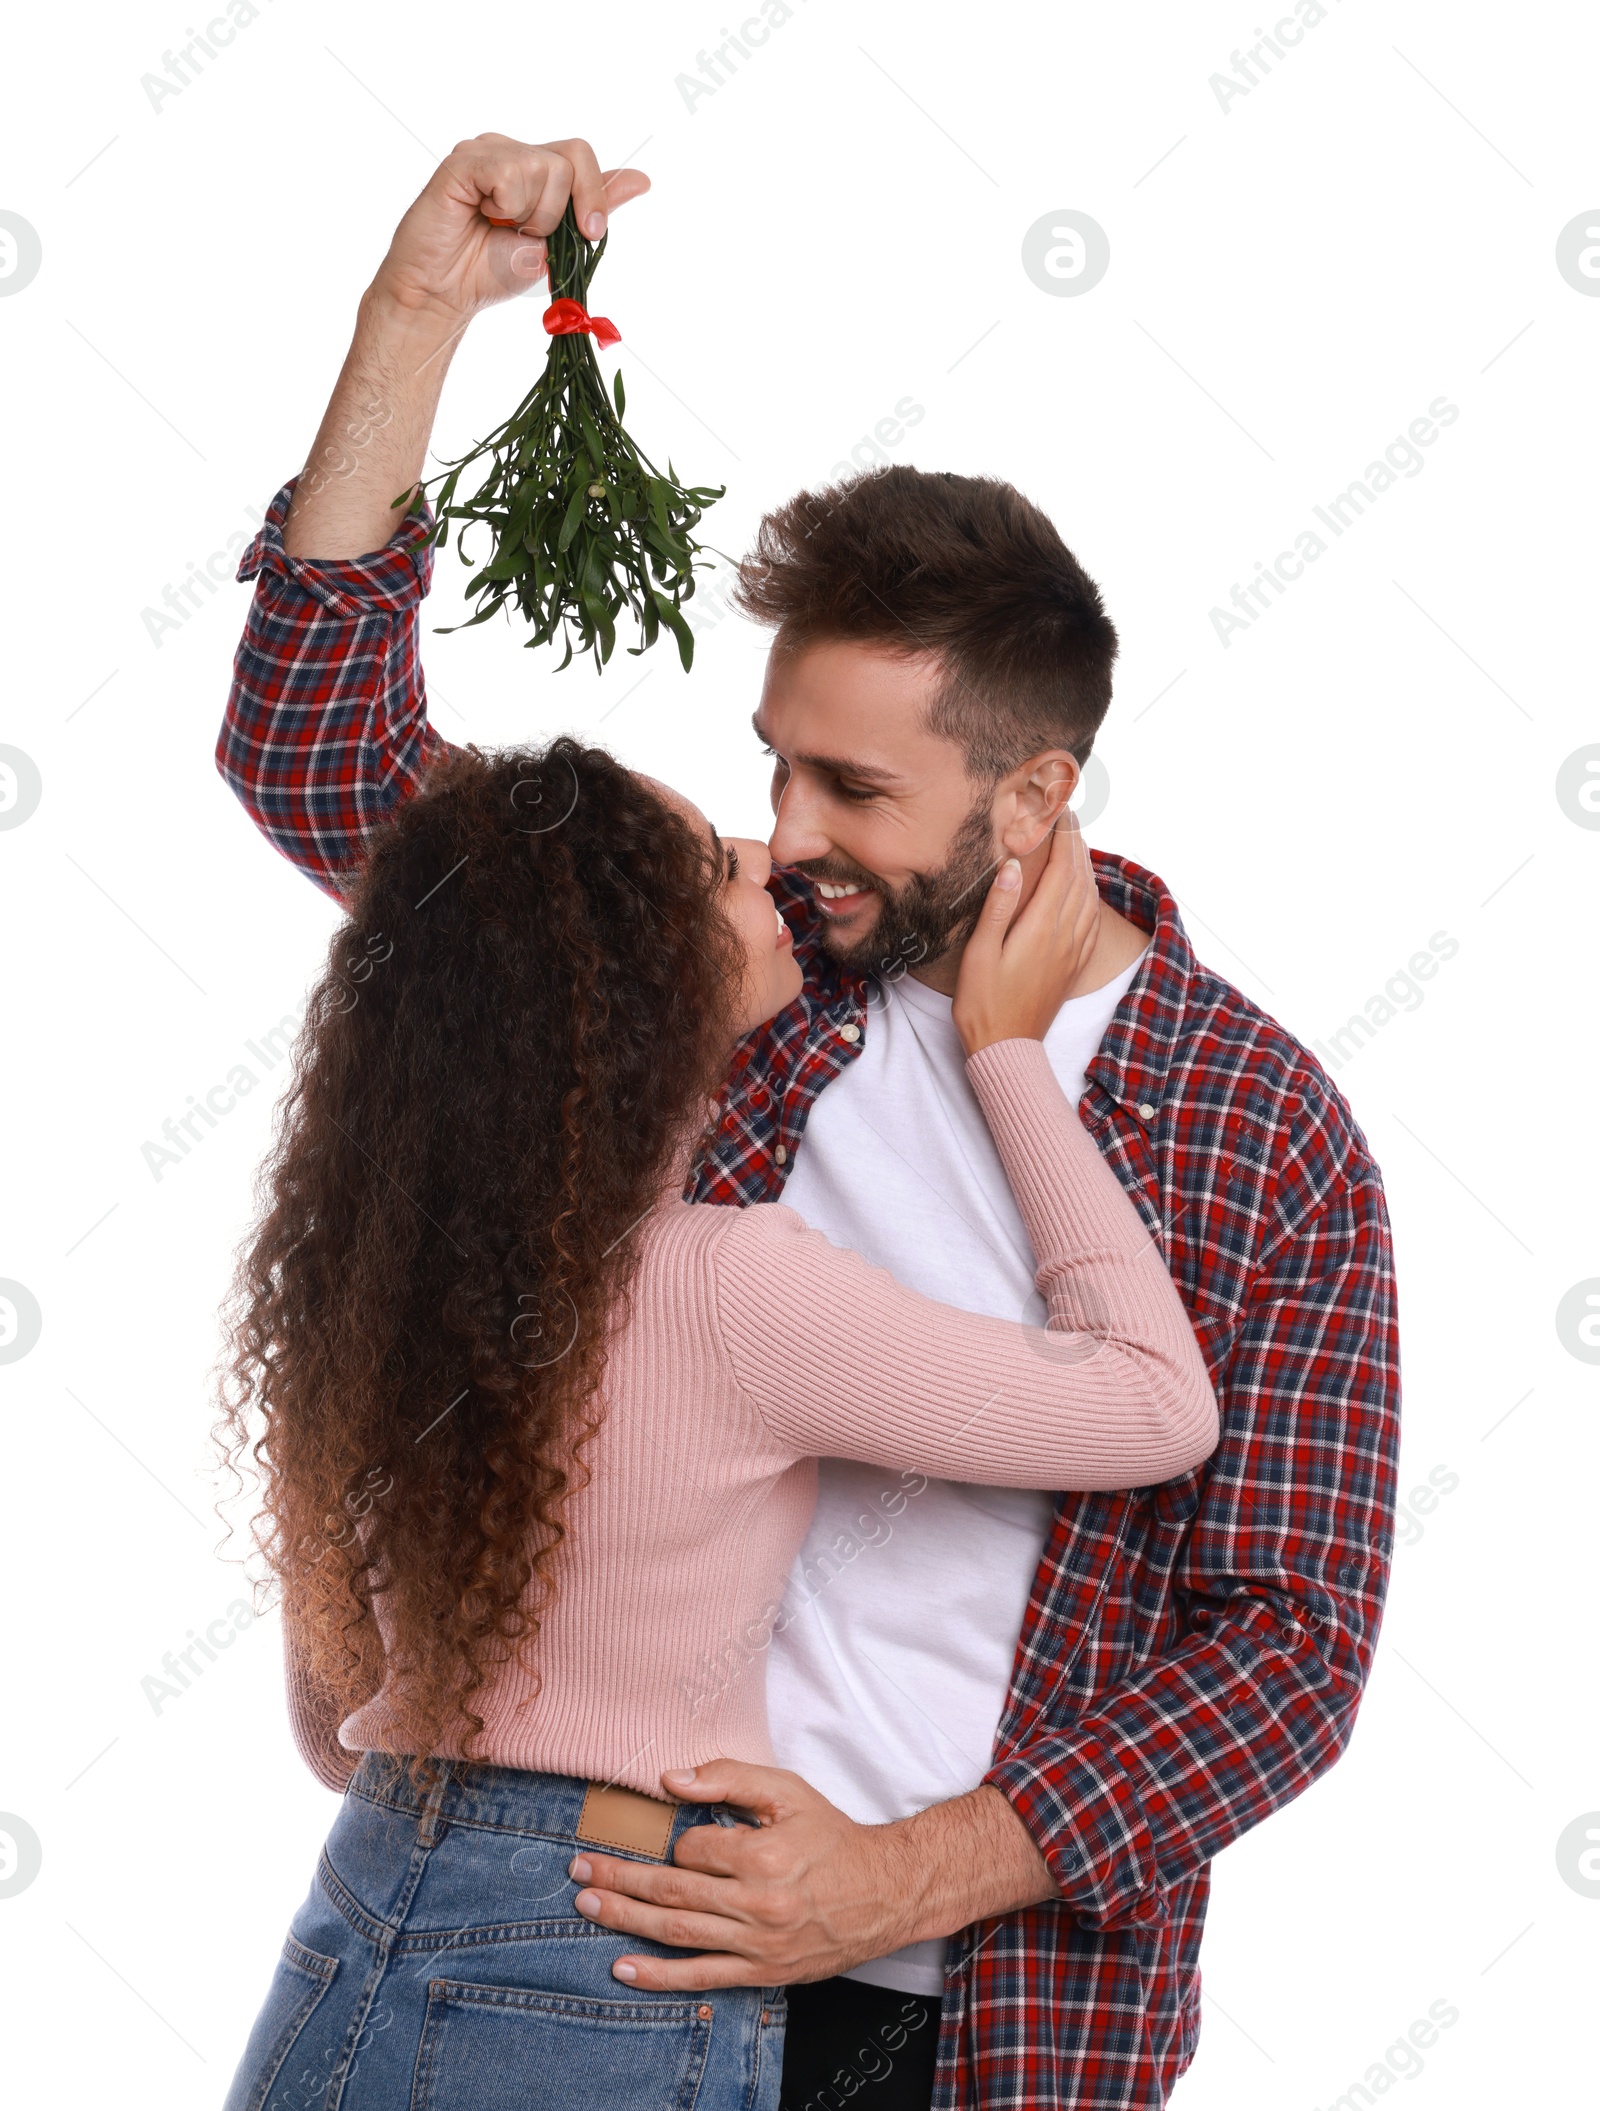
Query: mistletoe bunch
583,524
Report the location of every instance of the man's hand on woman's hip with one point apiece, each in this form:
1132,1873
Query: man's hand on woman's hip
807,1892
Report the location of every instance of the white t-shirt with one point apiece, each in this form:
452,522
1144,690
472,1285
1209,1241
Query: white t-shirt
890,1670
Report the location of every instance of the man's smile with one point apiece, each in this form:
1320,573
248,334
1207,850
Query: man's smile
836,898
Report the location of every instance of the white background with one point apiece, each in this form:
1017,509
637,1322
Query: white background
838,226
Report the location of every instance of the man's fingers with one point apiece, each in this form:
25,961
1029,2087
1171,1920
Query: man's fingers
525,186
556,189
680,1930
480,229
620,185
722,1850
528,186
767,1790
588,188
689,1975
653,1883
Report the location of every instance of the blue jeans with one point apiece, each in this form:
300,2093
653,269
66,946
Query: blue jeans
438,1964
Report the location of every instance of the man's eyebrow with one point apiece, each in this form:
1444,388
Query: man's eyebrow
839,765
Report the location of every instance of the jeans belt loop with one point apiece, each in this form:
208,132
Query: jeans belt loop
428,1821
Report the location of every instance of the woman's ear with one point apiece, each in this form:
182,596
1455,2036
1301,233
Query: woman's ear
1031,800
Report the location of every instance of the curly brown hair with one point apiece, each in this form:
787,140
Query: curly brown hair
513,1035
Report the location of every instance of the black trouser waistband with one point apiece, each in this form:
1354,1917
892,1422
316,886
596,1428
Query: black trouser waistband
867,2046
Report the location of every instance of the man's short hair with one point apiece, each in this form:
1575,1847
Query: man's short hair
963,567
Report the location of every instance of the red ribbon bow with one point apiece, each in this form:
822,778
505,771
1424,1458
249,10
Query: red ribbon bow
564,318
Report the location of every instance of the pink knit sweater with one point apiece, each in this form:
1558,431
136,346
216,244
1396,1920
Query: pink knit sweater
755,1346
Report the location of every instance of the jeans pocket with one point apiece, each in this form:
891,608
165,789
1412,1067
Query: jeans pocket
507,2048
299,1983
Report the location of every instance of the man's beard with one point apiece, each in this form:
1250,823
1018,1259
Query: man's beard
920,922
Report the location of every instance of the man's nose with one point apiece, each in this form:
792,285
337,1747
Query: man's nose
797,834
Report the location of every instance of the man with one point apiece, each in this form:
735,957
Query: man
1035,1718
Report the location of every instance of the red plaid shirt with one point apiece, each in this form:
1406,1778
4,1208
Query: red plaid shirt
1193,1654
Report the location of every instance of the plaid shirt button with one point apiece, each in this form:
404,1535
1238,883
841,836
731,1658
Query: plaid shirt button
1147,1111
781,1155
849,1033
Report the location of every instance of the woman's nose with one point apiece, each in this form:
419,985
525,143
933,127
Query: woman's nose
755,860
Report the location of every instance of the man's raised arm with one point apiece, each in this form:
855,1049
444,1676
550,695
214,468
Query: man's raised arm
326,726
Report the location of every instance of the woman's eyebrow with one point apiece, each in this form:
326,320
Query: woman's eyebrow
719,847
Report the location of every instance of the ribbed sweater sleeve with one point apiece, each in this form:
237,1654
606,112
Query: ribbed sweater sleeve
840,1360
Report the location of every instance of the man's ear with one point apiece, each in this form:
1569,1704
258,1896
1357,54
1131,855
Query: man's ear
1032,798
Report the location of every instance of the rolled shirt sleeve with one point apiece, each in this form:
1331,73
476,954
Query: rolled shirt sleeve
326,726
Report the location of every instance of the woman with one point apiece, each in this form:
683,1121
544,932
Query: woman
538,1437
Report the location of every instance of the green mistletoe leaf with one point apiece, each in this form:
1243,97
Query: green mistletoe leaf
582,524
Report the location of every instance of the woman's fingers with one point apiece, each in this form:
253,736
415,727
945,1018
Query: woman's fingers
1068,881
1081,910
1068,850
1001,904
999,907
1051,903
1089,886
979,1009
1055,933
1018,967
1054,887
